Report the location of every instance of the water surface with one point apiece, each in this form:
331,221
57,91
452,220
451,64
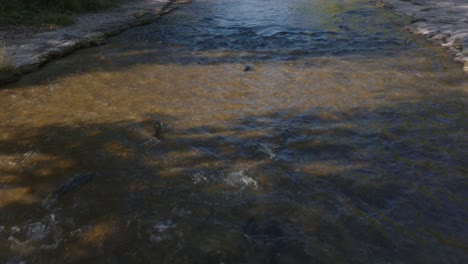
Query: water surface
344,142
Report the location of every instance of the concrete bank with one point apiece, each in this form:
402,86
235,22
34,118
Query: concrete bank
29,51
444,22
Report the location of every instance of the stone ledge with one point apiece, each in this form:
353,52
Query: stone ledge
28,54
443,22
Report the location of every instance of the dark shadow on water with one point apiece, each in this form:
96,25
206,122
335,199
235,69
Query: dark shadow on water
381,185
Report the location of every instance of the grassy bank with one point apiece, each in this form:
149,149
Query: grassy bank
46,12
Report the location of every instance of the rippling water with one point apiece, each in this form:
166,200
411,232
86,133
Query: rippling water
293,132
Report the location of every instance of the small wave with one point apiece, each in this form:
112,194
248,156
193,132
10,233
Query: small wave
161,231
43,235
199,178
241,179
268,149
162,227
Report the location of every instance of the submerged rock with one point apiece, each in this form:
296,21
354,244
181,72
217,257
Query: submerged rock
75,182
248,68
157,129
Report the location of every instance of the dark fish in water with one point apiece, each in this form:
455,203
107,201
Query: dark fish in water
157,129
75,182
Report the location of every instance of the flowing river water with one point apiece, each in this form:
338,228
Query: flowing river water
300,131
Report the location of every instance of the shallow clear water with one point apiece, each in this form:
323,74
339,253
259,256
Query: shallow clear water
344,141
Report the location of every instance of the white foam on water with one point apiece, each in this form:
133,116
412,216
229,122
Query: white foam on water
268,149
12,163
157,239
44,235
199,178
162,227
240,179
29,154
36,231
161,231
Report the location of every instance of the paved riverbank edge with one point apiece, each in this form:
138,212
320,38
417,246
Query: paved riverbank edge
28,53
443,22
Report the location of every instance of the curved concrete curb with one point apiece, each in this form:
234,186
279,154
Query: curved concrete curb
88,29
443,22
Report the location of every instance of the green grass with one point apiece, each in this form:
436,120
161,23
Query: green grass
46,12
